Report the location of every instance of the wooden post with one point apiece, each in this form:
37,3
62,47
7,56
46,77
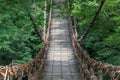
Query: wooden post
6,72
45,18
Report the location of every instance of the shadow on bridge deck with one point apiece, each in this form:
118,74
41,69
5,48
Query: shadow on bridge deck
61,62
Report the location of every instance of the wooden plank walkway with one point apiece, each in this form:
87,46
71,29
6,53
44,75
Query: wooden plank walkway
61,63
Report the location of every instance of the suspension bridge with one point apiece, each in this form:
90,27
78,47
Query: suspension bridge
62,57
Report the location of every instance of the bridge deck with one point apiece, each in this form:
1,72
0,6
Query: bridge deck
60,64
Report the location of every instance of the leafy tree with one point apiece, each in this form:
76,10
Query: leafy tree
18,38
103,42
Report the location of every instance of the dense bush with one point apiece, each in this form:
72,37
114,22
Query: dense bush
18,40
103,41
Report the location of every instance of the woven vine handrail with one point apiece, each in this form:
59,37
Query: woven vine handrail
33,69
90,69
19,70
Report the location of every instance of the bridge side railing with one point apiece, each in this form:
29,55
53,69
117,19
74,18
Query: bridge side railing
33,70
30,69
49,23
90,69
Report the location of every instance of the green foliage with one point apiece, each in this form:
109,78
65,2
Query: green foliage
18,40
103,41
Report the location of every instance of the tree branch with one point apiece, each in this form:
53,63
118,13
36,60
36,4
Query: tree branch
37,31
93,21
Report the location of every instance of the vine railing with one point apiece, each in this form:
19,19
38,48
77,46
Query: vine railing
30,70
89,68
